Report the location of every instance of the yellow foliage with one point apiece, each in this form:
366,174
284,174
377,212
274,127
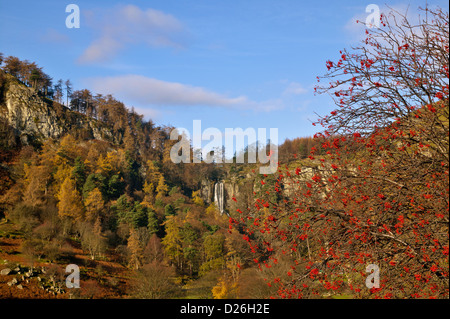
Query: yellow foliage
225,289
70,203
162,188
109,163
94,204
135,248
153,173
211,210
197,199
63,171
149,195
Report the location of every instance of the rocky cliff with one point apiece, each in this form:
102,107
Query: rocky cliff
237,183
34,118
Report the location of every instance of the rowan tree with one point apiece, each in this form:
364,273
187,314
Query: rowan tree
379,194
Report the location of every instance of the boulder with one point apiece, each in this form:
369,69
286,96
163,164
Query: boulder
5,271
12,282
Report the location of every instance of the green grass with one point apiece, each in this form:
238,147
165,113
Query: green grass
343,296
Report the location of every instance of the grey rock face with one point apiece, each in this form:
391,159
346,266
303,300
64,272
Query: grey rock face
33,117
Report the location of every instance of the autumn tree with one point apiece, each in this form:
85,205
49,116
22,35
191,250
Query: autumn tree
70,200
154,281
162,188
172,241
153,251
94,204
136,250
92,239
12,65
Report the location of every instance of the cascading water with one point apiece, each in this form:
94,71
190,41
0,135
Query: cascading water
219,197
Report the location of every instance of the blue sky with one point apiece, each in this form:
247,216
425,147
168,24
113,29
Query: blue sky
248,63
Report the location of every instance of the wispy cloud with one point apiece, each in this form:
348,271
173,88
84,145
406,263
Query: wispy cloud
145,92
129,25
54,36
294,88
149,91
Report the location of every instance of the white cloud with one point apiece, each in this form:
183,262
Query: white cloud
294,88
148,113
148,91
144,92
127,25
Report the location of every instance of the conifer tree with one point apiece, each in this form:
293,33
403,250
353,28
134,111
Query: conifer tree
70,203
135,249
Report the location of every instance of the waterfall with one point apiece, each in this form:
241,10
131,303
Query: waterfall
219,197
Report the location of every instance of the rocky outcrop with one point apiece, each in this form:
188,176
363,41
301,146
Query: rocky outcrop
221,192
34,118
24,275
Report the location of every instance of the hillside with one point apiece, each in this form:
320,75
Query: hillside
101,193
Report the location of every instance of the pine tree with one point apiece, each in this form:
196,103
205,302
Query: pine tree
59,91
79,173
68,91
153,224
